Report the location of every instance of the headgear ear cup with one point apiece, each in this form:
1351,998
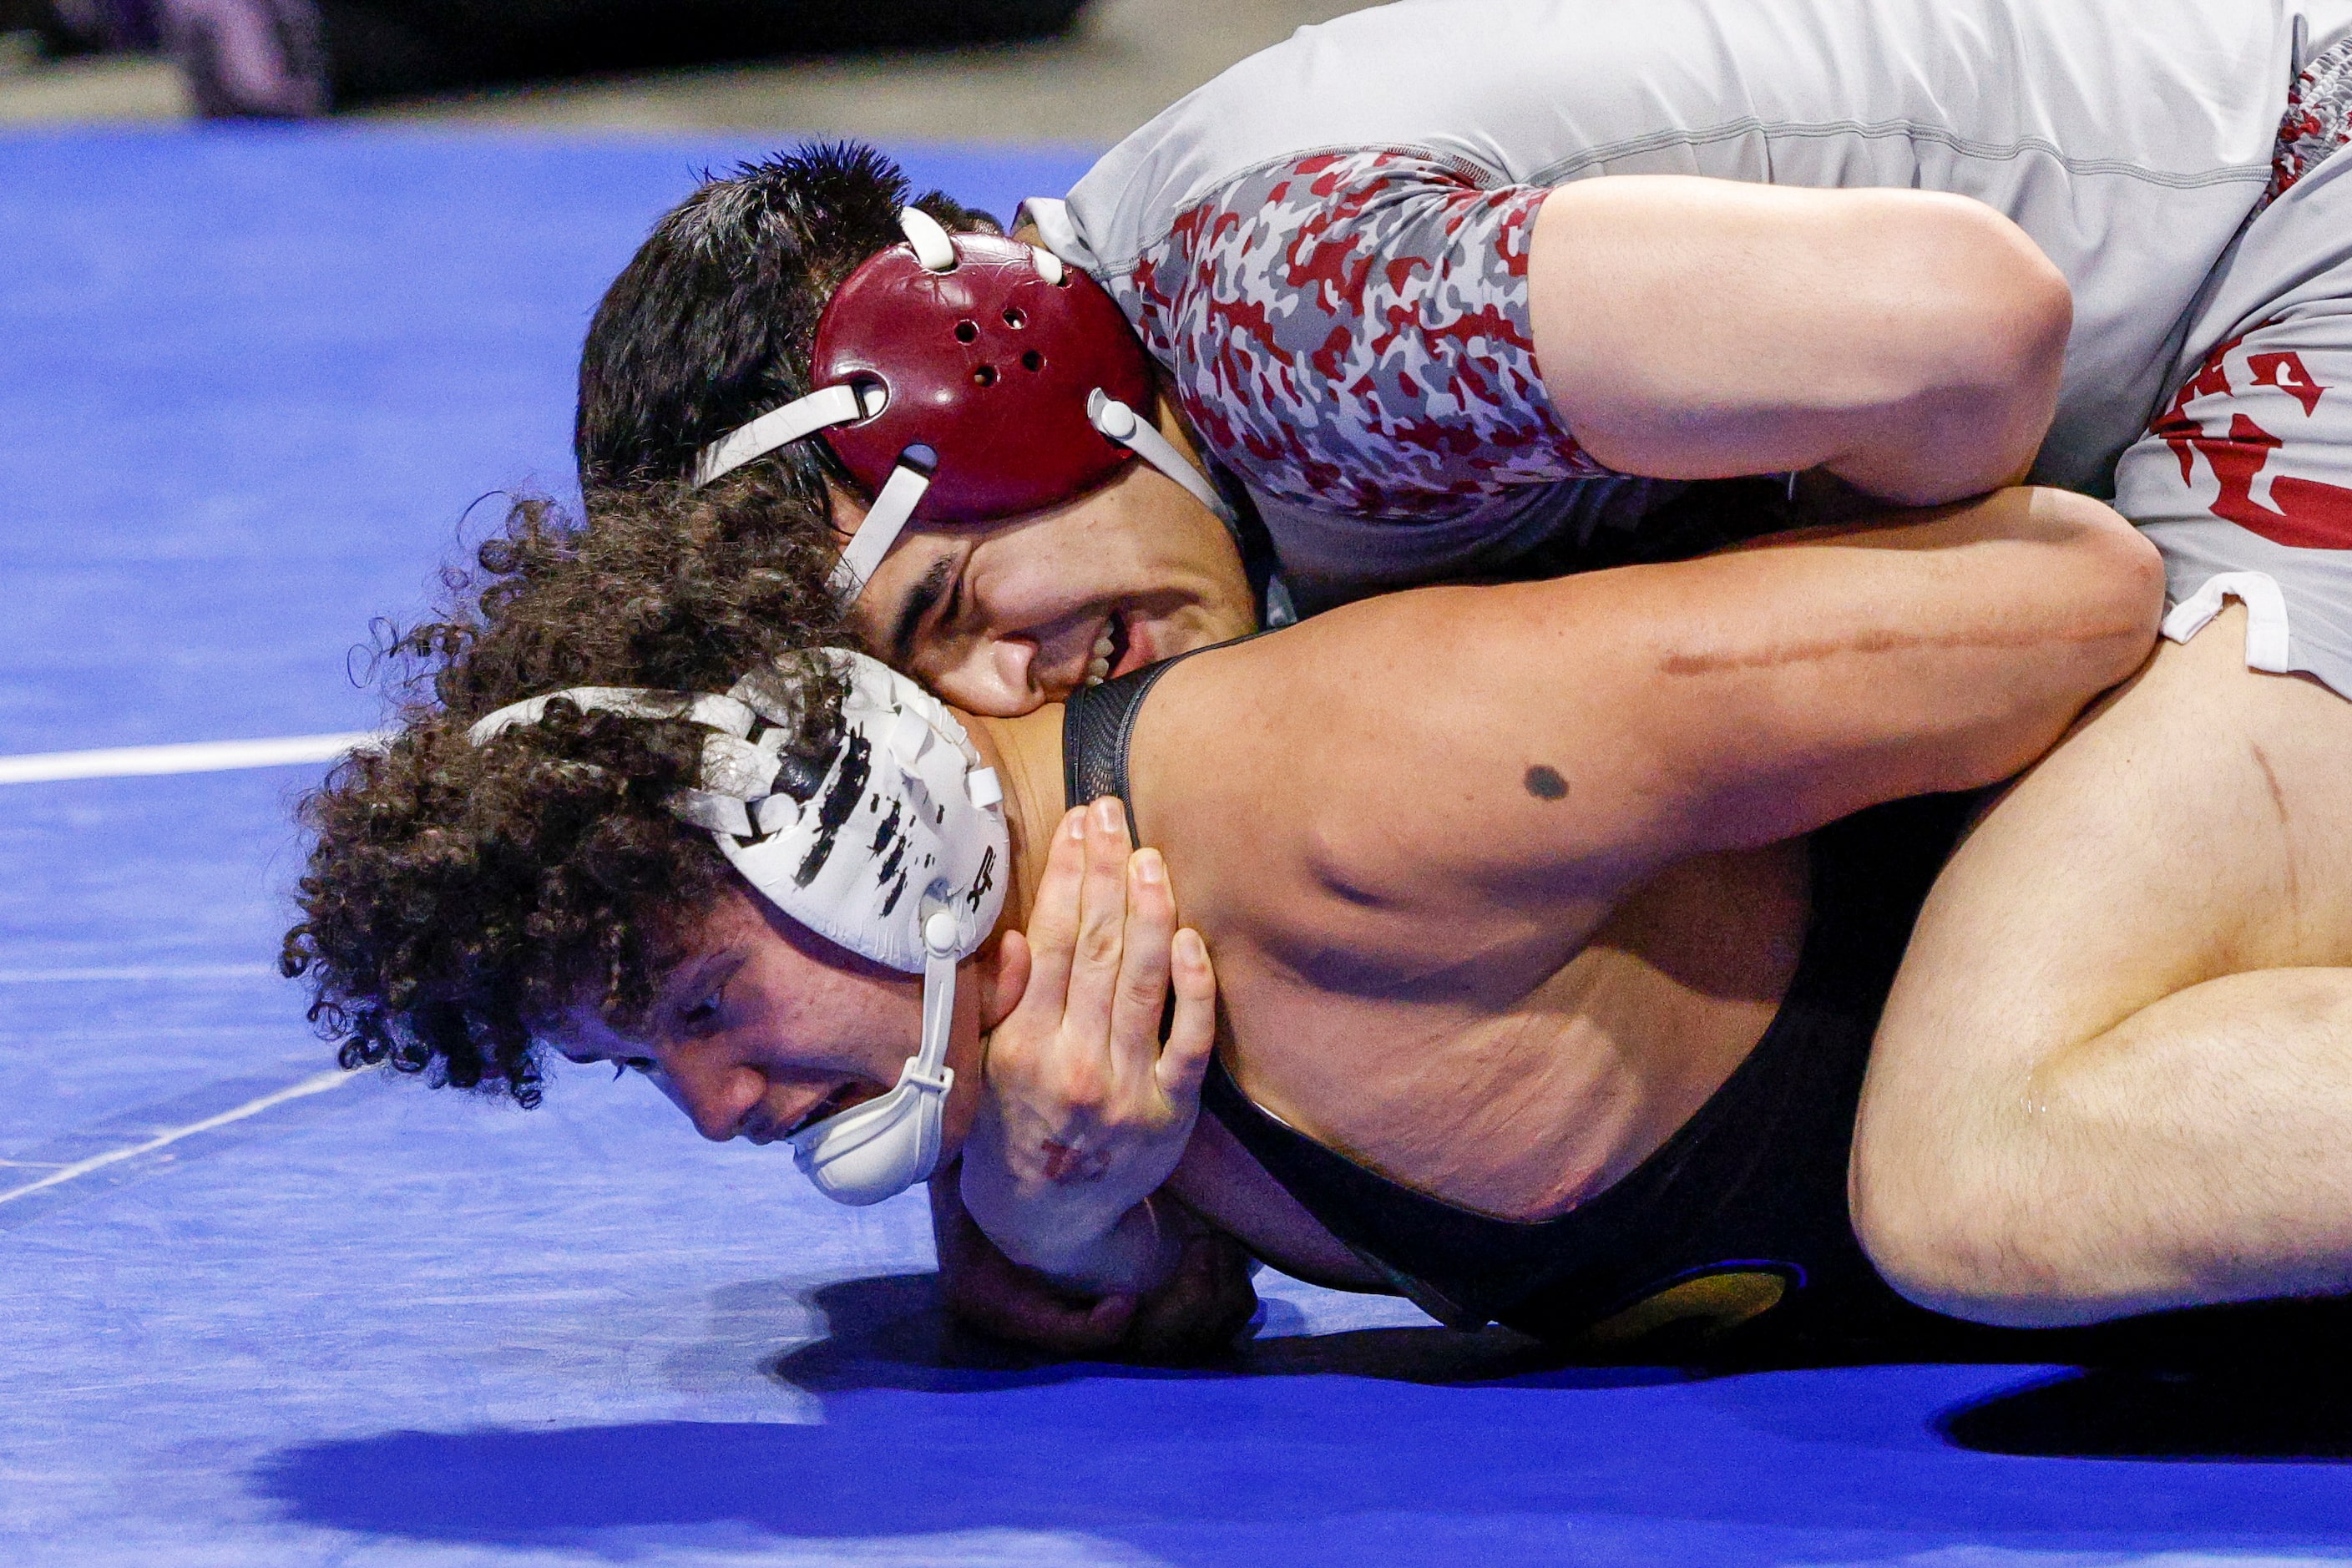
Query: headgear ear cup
989,366
899,854
961,379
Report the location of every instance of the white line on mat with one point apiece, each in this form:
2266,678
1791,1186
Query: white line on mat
135,972
318,1083
185,757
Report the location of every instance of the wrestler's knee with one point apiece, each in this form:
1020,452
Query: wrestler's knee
1946,1183
1938,1221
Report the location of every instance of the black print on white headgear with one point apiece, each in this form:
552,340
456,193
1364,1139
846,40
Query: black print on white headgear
897,852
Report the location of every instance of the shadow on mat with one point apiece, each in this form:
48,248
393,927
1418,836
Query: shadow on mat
928,1428
926,1431
2171,1400
2129,1414
891,1333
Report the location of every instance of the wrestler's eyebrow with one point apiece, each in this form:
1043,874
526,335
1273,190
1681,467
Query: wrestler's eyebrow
919,600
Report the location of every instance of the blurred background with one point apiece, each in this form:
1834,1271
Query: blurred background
1063,72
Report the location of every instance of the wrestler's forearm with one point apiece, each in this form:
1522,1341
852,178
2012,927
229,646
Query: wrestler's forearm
1128,1251
1206,1298
1488,757
1908,342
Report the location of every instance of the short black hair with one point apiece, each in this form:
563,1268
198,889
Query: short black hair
711,324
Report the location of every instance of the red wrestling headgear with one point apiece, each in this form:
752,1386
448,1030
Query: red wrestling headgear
970,379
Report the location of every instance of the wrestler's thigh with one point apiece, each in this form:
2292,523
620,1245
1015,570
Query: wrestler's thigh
2195,827
2199,824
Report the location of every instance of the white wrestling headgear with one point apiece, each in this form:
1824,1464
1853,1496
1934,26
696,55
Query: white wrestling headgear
898,853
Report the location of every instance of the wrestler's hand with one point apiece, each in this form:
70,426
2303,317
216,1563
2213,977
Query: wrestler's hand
986,1292
1087,1114
1203,1307
1194,1315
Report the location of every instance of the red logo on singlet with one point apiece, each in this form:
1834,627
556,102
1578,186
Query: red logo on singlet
2305,513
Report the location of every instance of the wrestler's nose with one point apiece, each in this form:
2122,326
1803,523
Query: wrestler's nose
1015,661
715,1096
998,680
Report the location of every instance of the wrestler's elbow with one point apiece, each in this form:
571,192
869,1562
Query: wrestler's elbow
2008,324
1969,394
2108,592
2071,611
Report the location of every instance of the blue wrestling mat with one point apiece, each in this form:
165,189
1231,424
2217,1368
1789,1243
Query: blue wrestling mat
261,1314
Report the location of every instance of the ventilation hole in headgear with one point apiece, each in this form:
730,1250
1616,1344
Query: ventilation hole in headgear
1033,360
967,331
798,776
1013,318
984,375
873,396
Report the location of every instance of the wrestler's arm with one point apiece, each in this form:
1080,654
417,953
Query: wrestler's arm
1193,1305
1445,775
1908,342
1089,1105
1424,781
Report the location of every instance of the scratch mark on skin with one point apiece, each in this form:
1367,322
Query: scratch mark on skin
2269,777
1070,1167
1886,640
1543,782
2287,823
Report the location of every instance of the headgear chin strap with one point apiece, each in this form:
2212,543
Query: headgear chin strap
971,378
897,852
881,1148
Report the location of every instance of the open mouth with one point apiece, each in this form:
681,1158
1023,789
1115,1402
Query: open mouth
834,1104
1112,646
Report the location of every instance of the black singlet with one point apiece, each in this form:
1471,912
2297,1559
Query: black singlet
1739,1221
1731,1244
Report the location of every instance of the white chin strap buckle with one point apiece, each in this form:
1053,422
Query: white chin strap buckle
878,1150
1123,425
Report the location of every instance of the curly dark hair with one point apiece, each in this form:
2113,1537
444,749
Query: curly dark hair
457,898
711,324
